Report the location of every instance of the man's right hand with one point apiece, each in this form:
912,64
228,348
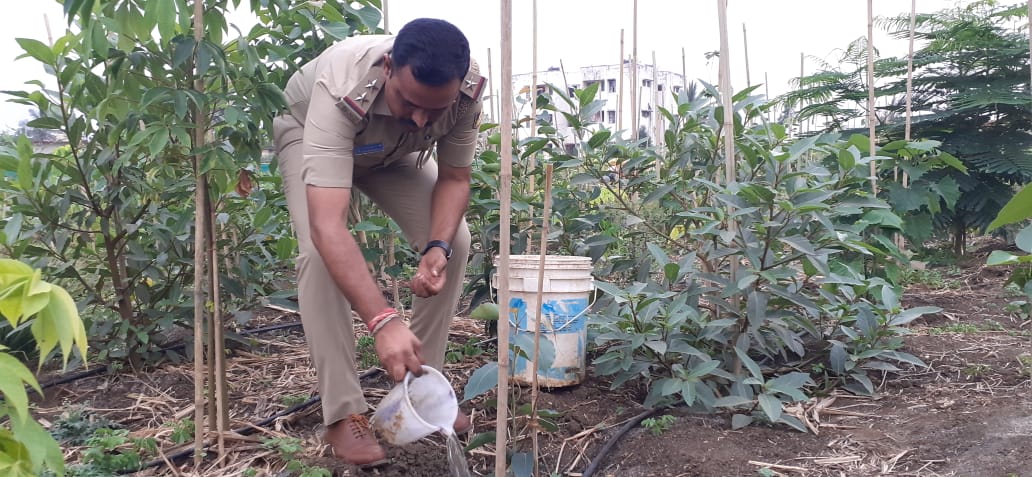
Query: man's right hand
399,350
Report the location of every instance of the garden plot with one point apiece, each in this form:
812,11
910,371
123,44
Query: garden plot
966,415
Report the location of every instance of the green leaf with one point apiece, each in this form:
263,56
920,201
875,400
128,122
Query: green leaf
13,378
166,17
12,230
38,50
754,369
1024,239
522,465
486,312
42,448
952,161
482,380
739,421
480,440
911,314
771,406
599,138
999,257
1017,209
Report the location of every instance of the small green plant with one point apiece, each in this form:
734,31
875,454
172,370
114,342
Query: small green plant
976,370
658,425
456,353
291,400
290,450
113,451
930,278
75,426
182,431
367,357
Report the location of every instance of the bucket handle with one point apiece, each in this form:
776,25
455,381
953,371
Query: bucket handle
568,322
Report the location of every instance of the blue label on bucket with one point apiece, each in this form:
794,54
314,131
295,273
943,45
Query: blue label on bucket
557,316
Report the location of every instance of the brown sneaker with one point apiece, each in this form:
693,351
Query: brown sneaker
462,424
352,440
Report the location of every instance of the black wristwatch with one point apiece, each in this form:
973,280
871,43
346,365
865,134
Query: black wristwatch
439,244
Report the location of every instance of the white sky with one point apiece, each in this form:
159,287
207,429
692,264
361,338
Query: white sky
585,32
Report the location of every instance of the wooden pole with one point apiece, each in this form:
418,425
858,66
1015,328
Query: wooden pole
531,162
870,94
545,222
635,110
490,81
619,95
730,167
505,199
726,93
386,19
657,139
200,257
766,87
745,41
684,69
218,351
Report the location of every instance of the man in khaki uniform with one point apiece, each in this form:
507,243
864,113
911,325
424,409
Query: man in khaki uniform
366,115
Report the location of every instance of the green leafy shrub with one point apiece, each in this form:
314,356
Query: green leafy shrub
26,449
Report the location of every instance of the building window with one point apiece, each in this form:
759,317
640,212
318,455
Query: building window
597,117
659,87
646,113
646,83
612,85
611,116
677,89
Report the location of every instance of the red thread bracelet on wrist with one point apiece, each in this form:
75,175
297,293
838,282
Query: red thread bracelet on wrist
380,317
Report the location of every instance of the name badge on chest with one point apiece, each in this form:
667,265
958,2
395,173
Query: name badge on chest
368,149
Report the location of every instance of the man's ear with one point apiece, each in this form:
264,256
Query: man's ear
387,65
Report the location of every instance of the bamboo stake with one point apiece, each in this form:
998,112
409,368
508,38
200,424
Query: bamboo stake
870,94
505,199
730,169
766,88
654,115
745,41
386,19
619,94
684,69
217,352
490,81
545,222
900,240
199,262
532,160
1030,41
635,111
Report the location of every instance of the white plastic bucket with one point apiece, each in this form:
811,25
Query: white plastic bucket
416,408
566,289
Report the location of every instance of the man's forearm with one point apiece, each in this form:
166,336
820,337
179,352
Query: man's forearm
449,204
348,268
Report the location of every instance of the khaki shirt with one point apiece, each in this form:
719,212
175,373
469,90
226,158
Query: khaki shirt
347,123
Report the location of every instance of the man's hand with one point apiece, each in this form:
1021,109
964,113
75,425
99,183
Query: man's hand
431,275
399,350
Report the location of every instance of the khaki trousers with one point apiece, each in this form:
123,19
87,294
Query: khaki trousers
403,192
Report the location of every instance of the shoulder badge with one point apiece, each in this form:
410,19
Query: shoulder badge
473,84
356,104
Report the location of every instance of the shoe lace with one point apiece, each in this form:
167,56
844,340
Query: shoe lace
359,426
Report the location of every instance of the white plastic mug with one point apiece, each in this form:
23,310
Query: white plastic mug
416,408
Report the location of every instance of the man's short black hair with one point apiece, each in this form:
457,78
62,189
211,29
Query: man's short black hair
436,51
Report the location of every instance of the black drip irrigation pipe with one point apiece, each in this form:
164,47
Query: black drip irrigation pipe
597,461
103,369
248,429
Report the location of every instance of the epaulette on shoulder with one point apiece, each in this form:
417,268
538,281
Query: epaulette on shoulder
473,84
356,104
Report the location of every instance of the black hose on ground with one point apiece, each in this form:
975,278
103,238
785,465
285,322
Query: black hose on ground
249,429
597,461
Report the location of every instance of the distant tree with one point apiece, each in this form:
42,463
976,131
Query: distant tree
971,90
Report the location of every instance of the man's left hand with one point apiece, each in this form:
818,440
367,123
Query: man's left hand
431,275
